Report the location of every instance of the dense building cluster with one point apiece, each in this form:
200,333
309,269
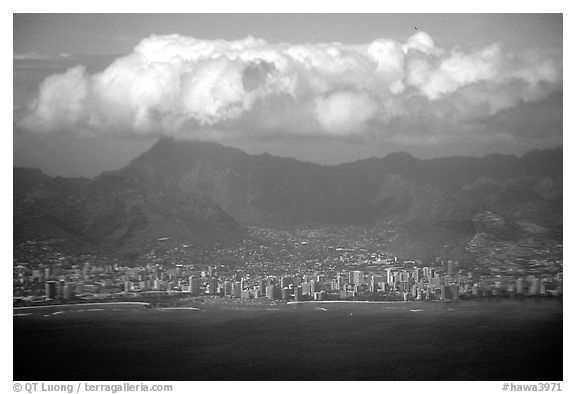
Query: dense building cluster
391,279
303,265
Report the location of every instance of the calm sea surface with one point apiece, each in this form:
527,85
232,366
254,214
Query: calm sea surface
467,340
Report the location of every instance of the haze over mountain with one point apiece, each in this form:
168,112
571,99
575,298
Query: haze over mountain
121,211
341,87
198,193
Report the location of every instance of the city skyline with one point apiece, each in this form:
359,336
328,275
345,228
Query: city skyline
339,272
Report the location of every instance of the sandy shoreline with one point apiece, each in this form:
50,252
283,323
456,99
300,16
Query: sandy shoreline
88,304
344,302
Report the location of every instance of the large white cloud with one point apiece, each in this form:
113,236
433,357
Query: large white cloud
185,86
345,112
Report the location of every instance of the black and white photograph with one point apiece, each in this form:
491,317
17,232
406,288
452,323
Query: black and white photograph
287,197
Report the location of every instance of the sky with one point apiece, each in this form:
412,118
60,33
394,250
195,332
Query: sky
93,91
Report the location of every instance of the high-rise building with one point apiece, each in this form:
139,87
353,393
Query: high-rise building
448,293
273,292
542,287
454,290
382,285
298,293
355,277
67,291
475,290
158,284
144,285
262,287
434,278
59,289
128,286
404,276
212,286
520,286
417,274
534,286
237,289
228,289
373,285
194,286
319,296
450,267
50,290
286,294
339,284
86,270
419,294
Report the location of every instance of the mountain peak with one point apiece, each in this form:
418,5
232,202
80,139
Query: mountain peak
168,183
398,156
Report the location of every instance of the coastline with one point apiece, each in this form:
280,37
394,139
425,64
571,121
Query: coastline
345,302
119,303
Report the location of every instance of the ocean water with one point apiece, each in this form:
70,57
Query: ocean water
468,340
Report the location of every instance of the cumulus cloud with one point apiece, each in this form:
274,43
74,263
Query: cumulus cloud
176,85
344,112
61,99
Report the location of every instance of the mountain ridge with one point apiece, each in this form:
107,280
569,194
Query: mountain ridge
433,201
